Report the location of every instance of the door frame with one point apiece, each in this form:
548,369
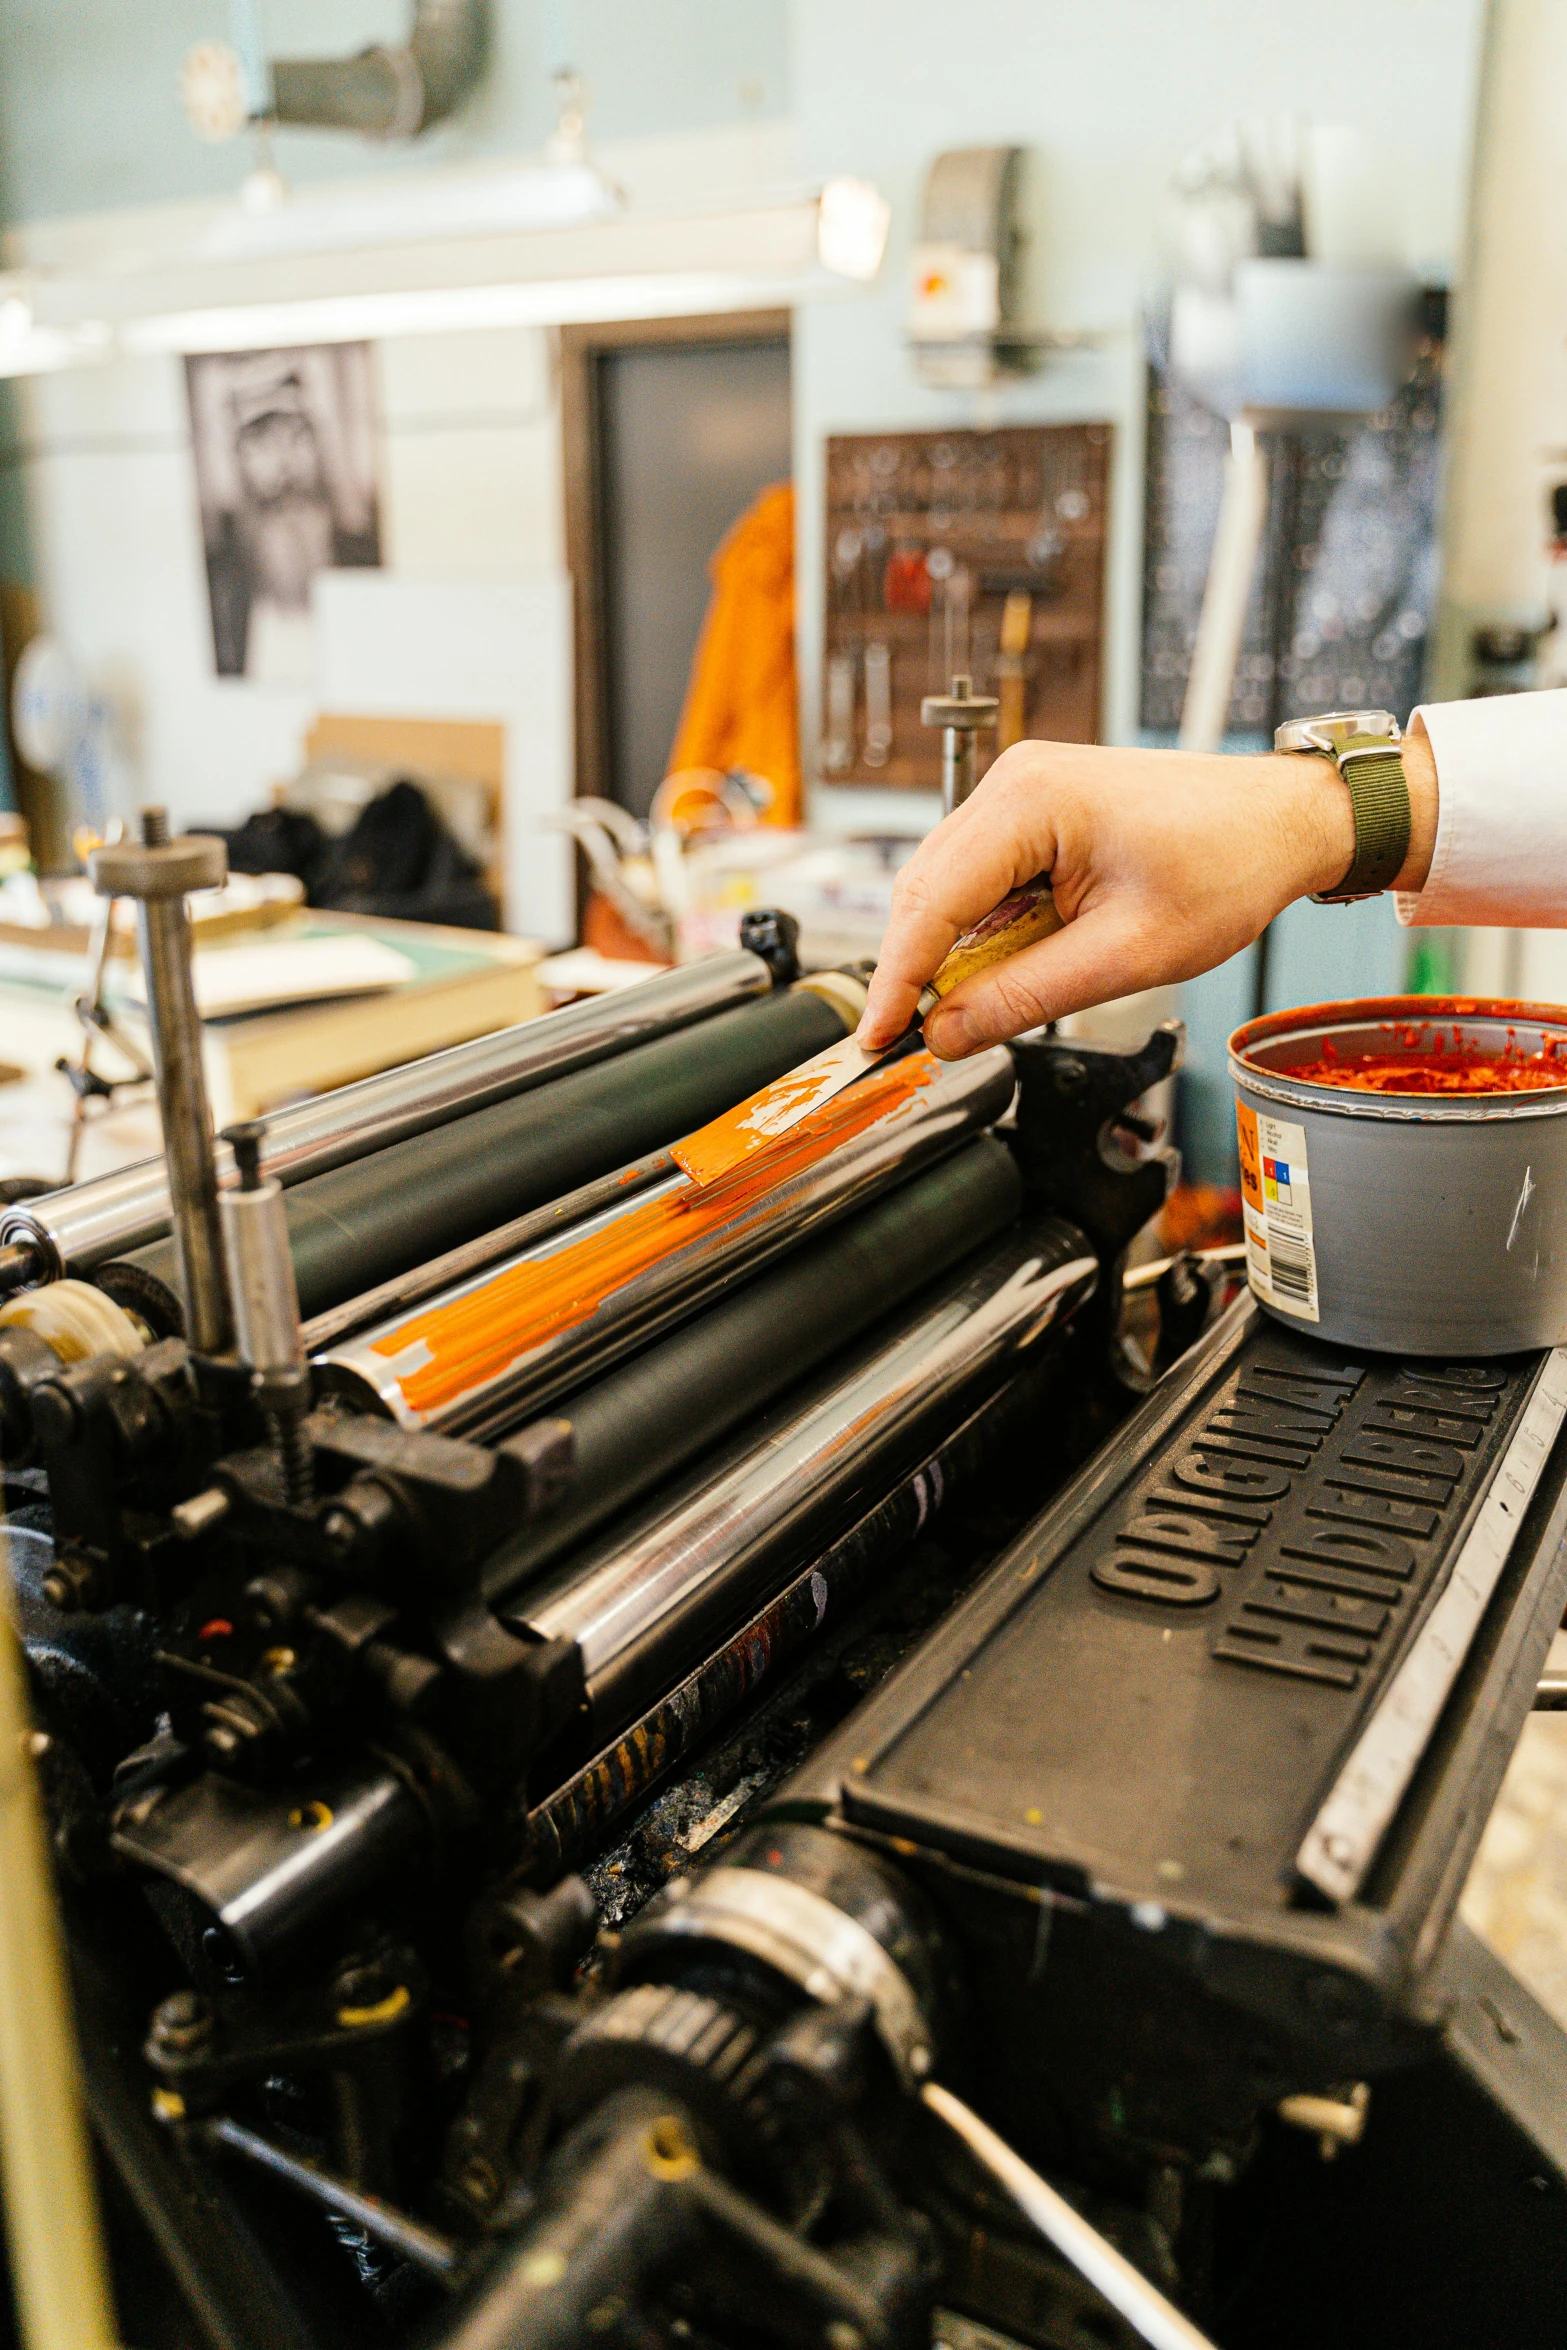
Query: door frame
582,351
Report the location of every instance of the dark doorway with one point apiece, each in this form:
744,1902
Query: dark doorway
672,429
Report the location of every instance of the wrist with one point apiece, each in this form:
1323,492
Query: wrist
1318,820
1420,775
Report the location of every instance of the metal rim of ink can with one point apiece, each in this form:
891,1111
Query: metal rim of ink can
1425,1224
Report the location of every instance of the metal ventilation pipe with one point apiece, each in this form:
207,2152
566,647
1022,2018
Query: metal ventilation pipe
388,93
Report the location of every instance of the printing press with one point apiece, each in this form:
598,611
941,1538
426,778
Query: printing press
777,1767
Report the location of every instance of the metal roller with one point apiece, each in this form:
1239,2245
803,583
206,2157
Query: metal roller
369,1221
642,1608
436,1274
477,1360
974,1458
727,1541
71,1232
648,1419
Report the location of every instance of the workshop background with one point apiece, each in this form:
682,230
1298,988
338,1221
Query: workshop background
693,106
528,536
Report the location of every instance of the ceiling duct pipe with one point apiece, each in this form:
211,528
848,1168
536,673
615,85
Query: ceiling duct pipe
387,93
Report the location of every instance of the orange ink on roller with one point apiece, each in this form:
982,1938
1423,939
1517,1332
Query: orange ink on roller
475,1337
712,1154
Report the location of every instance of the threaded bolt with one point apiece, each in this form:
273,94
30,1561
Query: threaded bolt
245,1141
154,827
295,1458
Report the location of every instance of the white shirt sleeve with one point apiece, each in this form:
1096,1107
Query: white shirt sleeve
1501,828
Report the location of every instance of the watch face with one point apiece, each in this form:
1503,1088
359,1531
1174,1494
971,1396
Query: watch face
1334,728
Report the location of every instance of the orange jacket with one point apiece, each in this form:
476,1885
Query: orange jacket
740,706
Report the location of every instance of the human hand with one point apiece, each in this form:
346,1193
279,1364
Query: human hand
1162,864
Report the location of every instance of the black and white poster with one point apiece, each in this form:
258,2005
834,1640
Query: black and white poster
284,444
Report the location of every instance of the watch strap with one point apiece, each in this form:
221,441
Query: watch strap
1379,799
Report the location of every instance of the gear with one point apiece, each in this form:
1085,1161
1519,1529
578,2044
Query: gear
686,2045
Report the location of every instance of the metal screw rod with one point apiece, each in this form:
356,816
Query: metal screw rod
265,1301
157,872
436,2255
296,1459
187,1122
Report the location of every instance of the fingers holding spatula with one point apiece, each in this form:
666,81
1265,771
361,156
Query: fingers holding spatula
1021,920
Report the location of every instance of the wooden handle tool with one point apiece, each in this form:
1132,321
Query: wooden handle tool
714,1151
1017,623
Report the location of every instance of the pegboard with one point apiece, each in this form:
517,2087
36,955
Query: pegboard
928,534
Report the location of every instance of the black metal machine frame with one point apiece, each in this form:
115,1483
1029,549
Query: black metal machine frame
1012,1990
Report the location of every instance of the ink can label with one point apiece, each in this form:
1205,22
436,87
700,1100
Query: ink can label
1281,1261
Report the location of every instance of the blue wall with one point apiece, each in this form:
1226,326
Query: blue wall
89,100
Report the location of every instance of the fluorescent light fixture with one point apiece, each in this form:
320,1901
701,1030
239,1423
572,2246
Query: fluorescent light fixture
353,318
463,204
304,289
852,220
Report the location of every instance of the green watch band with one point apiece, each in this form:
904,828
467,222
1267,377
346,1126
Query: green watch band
1373,772
1363,746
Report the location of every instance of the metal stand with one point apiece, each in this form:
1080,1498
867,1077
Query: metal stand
266,1308
97,1020
961,715
158,873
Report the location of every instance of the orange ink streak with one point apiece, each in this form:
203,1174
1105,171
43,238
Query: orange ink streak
474,1338
714,1152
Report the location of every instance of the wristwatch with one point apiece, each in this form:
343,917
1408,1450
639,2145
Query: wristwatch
1363,746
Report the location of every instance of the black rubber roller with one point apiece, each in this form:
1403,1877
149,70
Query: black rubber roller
364,1223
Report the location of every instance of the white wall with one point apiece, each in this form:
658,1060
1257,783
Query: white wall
470,490
1110,96
90,112
471,454
487,647
470,474
117,556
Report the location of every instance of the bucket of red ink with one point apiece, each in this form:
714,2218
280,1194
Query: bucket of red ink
1404,1171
